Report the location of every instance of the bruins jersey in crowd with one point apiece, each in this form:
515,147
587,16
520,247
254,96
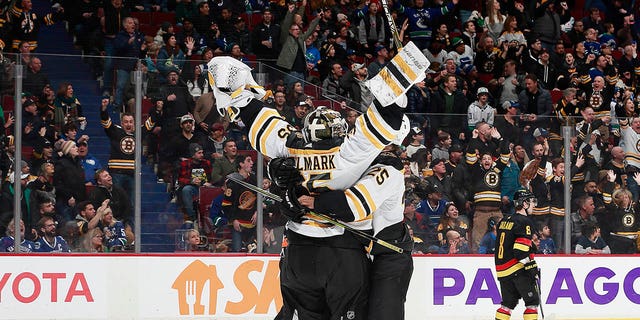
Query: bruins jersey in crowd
513,243
334,164
123,146
486,182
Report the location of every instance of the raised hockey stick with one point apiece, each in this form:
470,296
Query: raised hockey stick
324,217
392,25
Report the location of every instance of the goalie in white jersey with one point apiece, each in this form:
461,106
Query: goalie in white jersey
327,160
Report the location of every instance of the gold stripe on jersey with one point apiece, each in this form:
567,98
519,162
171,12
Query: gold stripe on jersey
360,122
471,158
632,159
368,199
390,81
149,124
266,134
121,164
312,152
106,123
509,271
538,211
504,157
357,204
375,121
261,121
520,247
557,211
492,196
606,197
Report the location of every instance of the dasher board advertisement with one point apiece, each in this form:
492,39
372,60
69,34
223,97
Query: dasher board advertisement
247,287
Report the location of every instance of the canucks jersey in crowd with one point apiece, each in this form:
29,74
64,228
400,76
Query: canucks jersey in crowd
58,245
7,245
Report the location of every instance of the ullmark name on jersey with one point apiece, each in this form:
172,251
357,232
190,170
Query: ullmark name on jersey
315,162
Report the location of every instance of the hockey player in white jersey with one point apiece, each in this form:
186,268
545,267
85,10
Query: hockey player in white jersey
327,160
379,195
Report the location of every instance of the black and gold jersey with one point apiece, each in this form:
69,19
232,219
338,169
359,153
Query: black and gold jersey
513,243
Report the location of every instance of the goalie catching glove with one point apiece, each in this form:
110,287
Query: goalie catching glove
233,85
284,173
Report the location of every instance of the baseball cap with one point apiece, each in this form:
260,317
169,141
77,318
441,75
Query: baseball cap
332,35
540,132
28,102
350,52
436,162
193,148
416,131
378,48
357,66
483,90
185,118
456,42
455,148
83,143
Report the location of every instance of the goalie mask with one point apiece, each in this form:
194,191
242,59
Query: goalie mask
323,123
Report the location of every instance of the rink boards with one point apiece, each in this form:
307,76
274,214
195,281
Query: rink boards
246,287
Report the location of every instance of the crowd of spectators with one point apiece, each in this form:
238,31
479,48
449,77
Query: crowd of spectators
505,76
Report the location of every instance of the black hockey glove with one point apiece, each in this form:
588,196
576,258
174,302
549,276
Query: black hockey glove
284,173
290,206
531,268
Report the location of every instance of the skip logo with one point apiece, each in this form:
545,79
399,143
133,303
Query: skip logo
206,289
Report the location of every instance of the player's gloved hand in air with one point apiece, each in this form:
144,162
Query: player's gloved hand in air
531,268
284,173
291,207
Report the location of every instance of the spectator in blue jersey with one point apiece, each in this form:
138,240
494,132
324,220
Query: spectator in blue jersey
7,242
115,237
432,206
49,241
421,19
90,164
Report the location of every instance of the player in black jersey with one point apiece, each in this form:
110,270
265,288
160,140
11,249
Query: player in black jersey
516,269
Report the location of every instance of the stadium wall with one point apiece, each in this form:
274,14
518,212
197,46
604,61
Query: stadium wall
246,287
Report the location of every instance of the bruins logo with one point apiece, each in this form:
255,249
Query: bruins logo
638,146
628,220
491,179
127,145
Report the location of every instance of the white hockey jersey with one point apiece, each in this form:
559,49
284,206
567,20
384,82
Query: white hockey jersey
334,168
478,113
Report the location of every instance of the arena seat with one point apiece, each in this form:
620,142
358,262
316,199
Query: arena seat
556,95
311,90
7,102
143,17
157,18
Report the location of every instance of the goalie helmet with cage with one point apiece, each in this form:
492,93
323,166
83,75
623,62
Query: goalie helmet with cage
323,123
521,196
